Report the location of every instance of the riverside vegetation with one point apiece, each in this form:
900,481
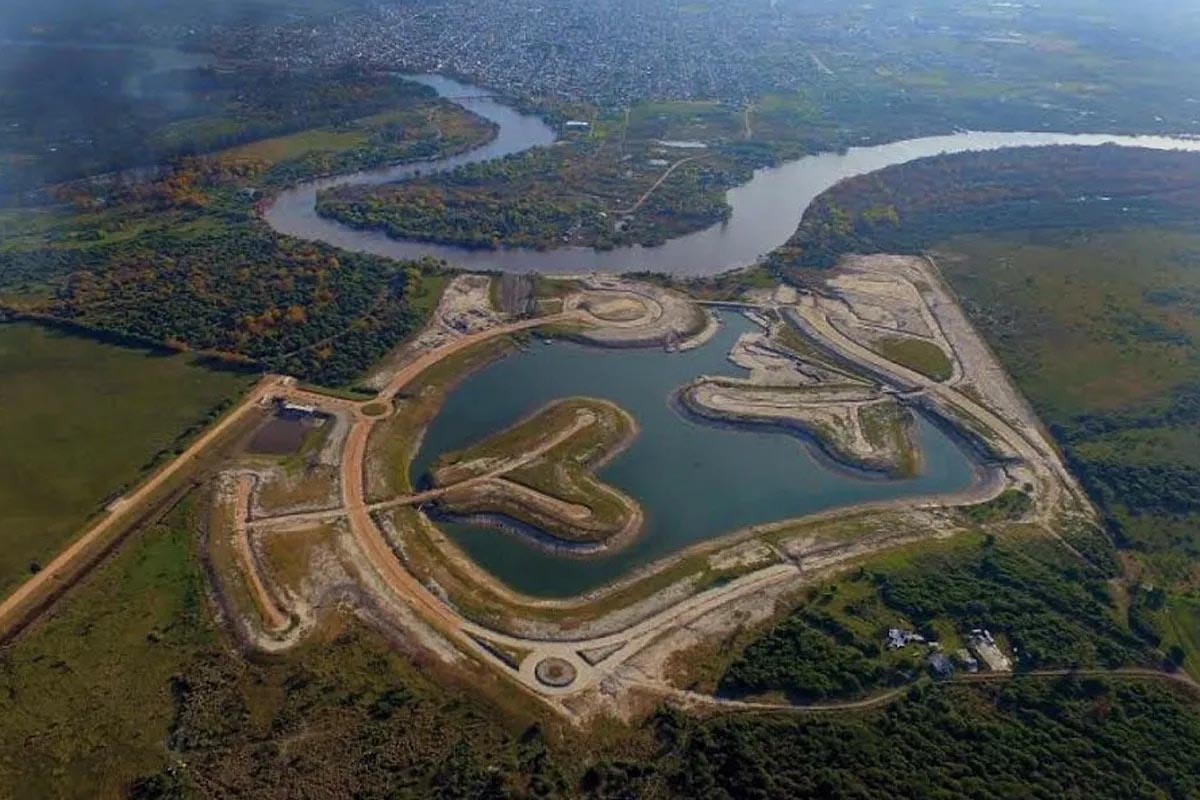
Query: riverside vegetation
182,261
659,171
174,709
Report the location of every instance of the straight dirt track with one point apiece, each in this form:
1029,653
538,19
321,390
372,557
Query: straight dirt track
69,565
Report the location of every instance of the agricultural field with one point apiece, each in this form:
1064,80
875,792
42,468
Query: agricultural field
82,422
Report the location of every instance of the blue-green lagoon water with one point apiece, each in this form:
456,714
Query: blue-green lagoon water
694,481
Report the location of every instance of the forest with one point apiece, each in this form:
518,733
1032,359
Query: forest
223,285
1062,738
1053,610
578,193
77,111
178,257
908,207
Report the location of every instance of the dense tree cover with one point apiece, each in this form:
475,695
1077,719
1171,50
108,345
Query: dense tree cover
578,193
72,112
811,656
241,291
908,207
1031,738
1061,738
1053,610
177,257
182,262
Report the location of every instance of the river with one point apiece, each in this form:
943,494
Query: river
694,481
765,210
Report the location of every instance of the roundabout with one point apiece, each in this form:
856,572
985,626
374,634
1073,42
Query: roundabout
555,672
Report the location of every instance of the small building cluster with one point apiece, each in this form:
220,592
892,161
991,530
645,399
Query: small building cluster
966,660
981,649
984,646
898,639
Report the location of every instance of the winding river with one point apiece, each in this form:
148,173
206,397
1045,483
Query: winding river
694,481
766,210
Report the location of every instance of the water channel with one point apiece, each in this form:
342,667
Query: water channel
766,210
694,481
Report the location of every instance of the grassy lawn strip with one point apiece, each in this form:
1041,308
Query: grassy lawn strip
918,355
83,422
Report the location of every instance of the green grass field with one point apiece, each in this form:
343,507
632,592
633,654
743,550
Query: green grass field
920,356
81,421
1101,331
130,689
107,657
1085,322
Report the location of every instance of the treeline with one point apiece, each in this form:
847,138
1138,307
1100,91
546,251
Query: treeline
459,130
1066,737
908,207
75,115
203,275
1054,611
239,290
579,194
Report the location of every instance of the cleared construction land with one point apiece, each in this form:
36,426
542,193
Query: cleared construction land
855,426
375,549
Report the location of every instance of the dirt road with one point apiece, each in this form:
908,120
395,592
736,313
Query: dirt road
67,565
273,616
654,187
418,498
